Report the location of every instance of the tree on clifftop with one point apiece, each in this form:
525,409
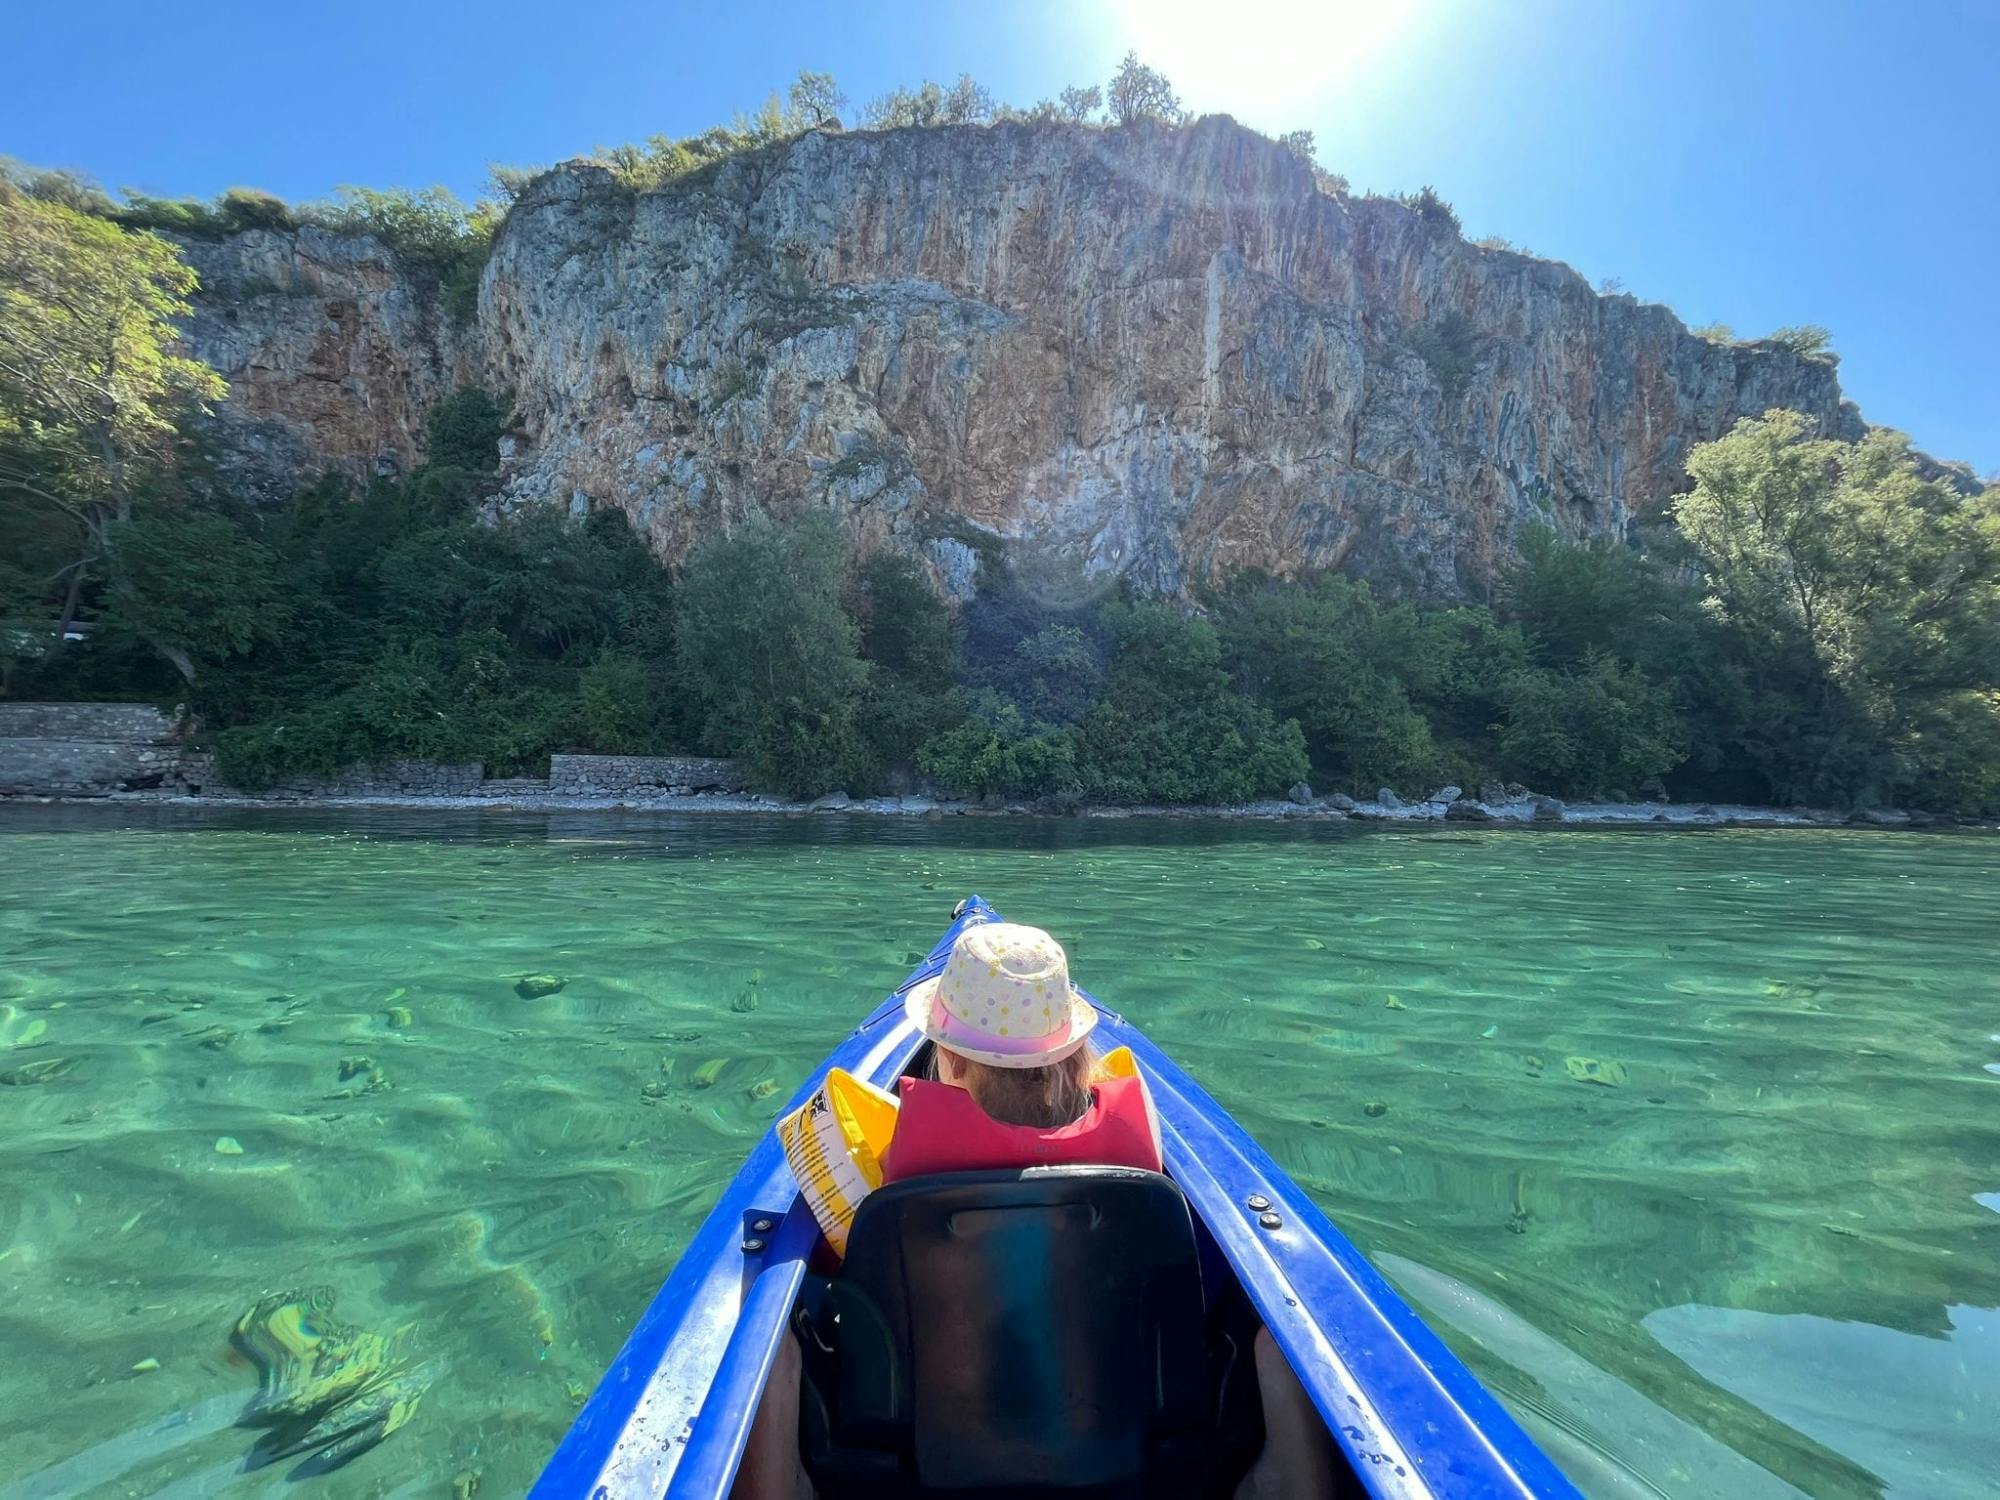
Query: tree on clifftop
1137,92
90,383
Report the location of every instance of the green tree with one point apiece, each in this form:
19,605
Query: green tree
910,642
770,657
816,100
1327,654
995,753
1077,105
1863,595
614,706
962,103
1171,728
464,431
1137,92
1800,338
1595,728
193,587
91,385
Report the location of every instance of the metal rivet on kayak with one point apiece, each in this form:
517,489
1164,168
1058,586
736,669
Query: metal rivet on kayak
762,1226
1270,1221
752,1246
1257,1202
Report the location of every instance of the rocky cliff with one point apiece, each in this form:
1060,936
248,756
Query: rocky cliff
1151,352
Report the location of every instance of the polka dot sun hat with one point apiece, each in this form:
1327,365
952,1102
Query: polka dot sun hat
1004,998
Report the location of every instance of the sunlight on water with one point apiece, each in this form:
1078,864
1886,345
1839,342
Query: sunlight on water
1689,1142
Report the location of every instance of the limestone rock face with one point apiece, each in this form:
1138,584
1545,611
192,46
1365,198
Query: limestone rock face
334,352
1149,352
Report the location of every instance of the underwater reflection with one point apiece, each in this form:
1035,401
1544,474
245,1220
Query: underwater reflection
1922,1414
1608,1437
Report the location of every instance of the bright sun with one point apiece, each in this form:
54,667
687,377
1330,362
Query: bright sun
1267,61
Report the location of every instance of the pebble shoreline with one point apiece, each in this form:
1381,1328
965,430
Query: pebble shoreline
1462,812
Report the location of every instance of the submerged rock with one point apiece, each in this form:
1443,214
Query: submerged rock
19,1029
41,1071
228,1145
535,986
1595,1070
325,1388
706,1075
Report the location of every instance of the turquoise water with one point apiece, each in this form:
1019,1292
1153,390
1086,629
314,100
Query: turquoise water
1690,1142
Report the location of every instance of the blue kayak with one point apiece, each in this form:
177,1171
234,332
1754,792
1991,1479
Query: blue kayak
671,1415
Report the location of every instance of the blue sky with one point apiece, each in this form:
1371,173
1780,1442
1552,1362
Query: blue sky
1759,162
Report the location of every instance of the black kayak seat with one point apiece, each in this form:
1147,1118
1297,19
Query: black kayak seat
1040,1331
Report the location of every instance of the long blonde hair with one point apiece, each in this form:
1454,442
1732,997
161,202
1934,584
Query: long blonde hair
1045,1098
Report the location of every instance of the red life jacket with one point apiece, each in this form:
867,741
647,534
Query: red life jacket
941,1128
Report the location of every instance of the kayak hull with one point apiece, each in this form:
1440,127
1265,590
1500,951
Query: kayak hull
672,1412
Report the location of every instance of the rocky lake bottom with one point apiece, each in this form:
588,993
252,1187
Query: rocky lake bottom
384,1124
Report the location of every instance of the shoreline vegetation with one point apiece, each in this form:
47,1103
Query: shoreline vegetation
1812,622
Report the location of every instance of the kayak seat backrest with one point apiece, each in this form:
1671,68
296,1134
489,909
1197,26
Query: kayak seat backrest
1014,1332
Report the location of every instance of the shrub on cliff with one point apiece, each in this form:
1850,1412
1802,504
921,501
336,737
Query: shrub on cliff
965,102
463,431
1431,208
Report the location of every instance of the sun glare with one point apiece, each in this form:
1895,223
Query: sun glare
1265,61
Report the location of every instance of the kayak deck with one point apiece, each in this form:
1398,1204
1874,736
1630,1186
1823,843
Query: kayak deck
671,1414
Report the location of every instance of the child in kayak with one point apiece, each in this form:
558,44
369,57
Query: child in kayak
1013,1075
1014,1082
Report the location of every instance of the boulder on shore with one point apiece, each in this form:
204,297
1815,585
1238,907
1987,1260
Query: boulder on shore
1387,798
1547,809
1300,793
1492,793
1447,794
1463,811
1342,802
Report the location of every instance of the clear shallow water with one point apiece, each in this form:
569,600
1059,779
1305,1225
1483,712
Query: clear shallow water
1689,1142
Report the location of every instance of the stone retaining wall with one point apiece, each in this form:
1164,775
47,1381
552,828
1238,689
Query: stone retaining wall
195,773
642,775
94,749
83,749
117,723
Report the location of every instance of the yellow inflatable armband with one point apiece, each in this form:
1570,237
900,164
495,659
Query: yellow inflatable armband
836,1140
1118,1063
